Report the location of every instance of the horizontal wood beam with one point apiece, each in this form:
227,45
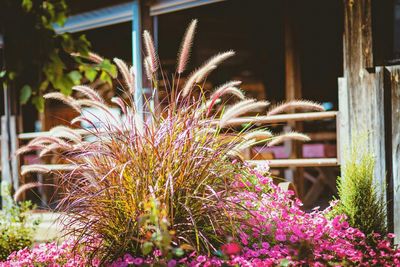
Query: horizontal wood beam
48,167
322,136
310,116
284,163
160,7
27,136
275,163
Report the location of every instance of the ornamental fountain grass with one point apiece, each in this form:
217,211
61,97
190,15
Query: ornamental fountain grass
171,188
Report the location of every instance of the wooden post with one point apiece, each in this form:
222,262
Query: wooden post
361,97
342,121
9,140
292,61
141,21
365,97
6,180
9,160
293,87
137,58
394,149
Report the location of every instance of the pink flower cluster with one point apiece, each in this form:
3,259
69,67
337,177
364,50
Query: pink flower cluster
276,228
47,255
275,231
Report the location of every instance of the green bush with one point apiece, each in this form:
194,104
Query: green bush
359,197
16,231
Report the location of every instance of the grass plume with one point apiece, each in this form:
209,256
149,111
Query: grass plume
151,51
303,105
241,108
186,46
288,136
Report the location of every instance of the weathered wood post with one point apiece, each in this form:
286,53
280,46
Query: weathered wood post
393,146
362,103
141,21
9,141
293,91
9,159
369,101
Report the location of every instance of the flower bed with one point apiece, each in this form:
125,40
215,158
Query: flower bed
173,190
275,231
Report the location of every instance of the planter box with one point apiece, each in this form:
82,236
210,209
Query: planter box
48,229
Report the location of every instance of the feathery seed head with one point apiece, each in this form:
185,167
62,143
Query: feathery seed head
295,105
186,46
151,51
288,136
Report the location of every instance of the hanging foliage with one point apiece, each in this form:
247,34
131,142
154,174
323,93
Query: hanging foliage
36,58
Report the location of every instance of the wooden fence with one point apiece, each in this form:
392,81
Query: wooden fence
257,120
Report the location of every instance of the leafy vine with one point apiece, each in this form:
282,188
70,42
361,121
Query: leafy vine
37,59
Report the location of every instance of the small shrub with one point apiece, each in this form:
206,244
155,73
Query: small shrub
16,231
359,197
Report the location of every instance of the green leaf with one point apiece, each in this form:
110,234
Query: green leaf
179,252
105,77
65,85
43,86
110,68
284,263
27,5
90,74
26,93
11,75
56,61
67,42
82,45
60,18
75,76
84,41
38,101
147,247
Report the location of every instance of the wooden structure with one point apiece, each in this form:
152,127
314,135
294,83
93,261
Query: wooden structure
369,91
275,163
369,99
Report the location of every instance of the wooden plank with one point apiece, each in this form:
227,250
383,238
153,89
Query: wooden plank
364,86
49,167
343,129
311,116
167,6
395,142
137,59
275,163
13,150
9,160
6,180
292,61
284,163
28,136
366,31
322,136
292,87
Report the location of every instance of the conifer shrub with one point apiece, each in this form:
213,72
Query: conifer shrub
359,197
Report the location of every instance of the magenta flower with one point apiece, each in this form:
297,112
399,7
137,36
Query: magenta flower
231,249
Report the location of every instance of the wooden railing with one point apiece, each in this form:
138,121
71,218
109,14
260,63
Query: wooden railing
257,120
